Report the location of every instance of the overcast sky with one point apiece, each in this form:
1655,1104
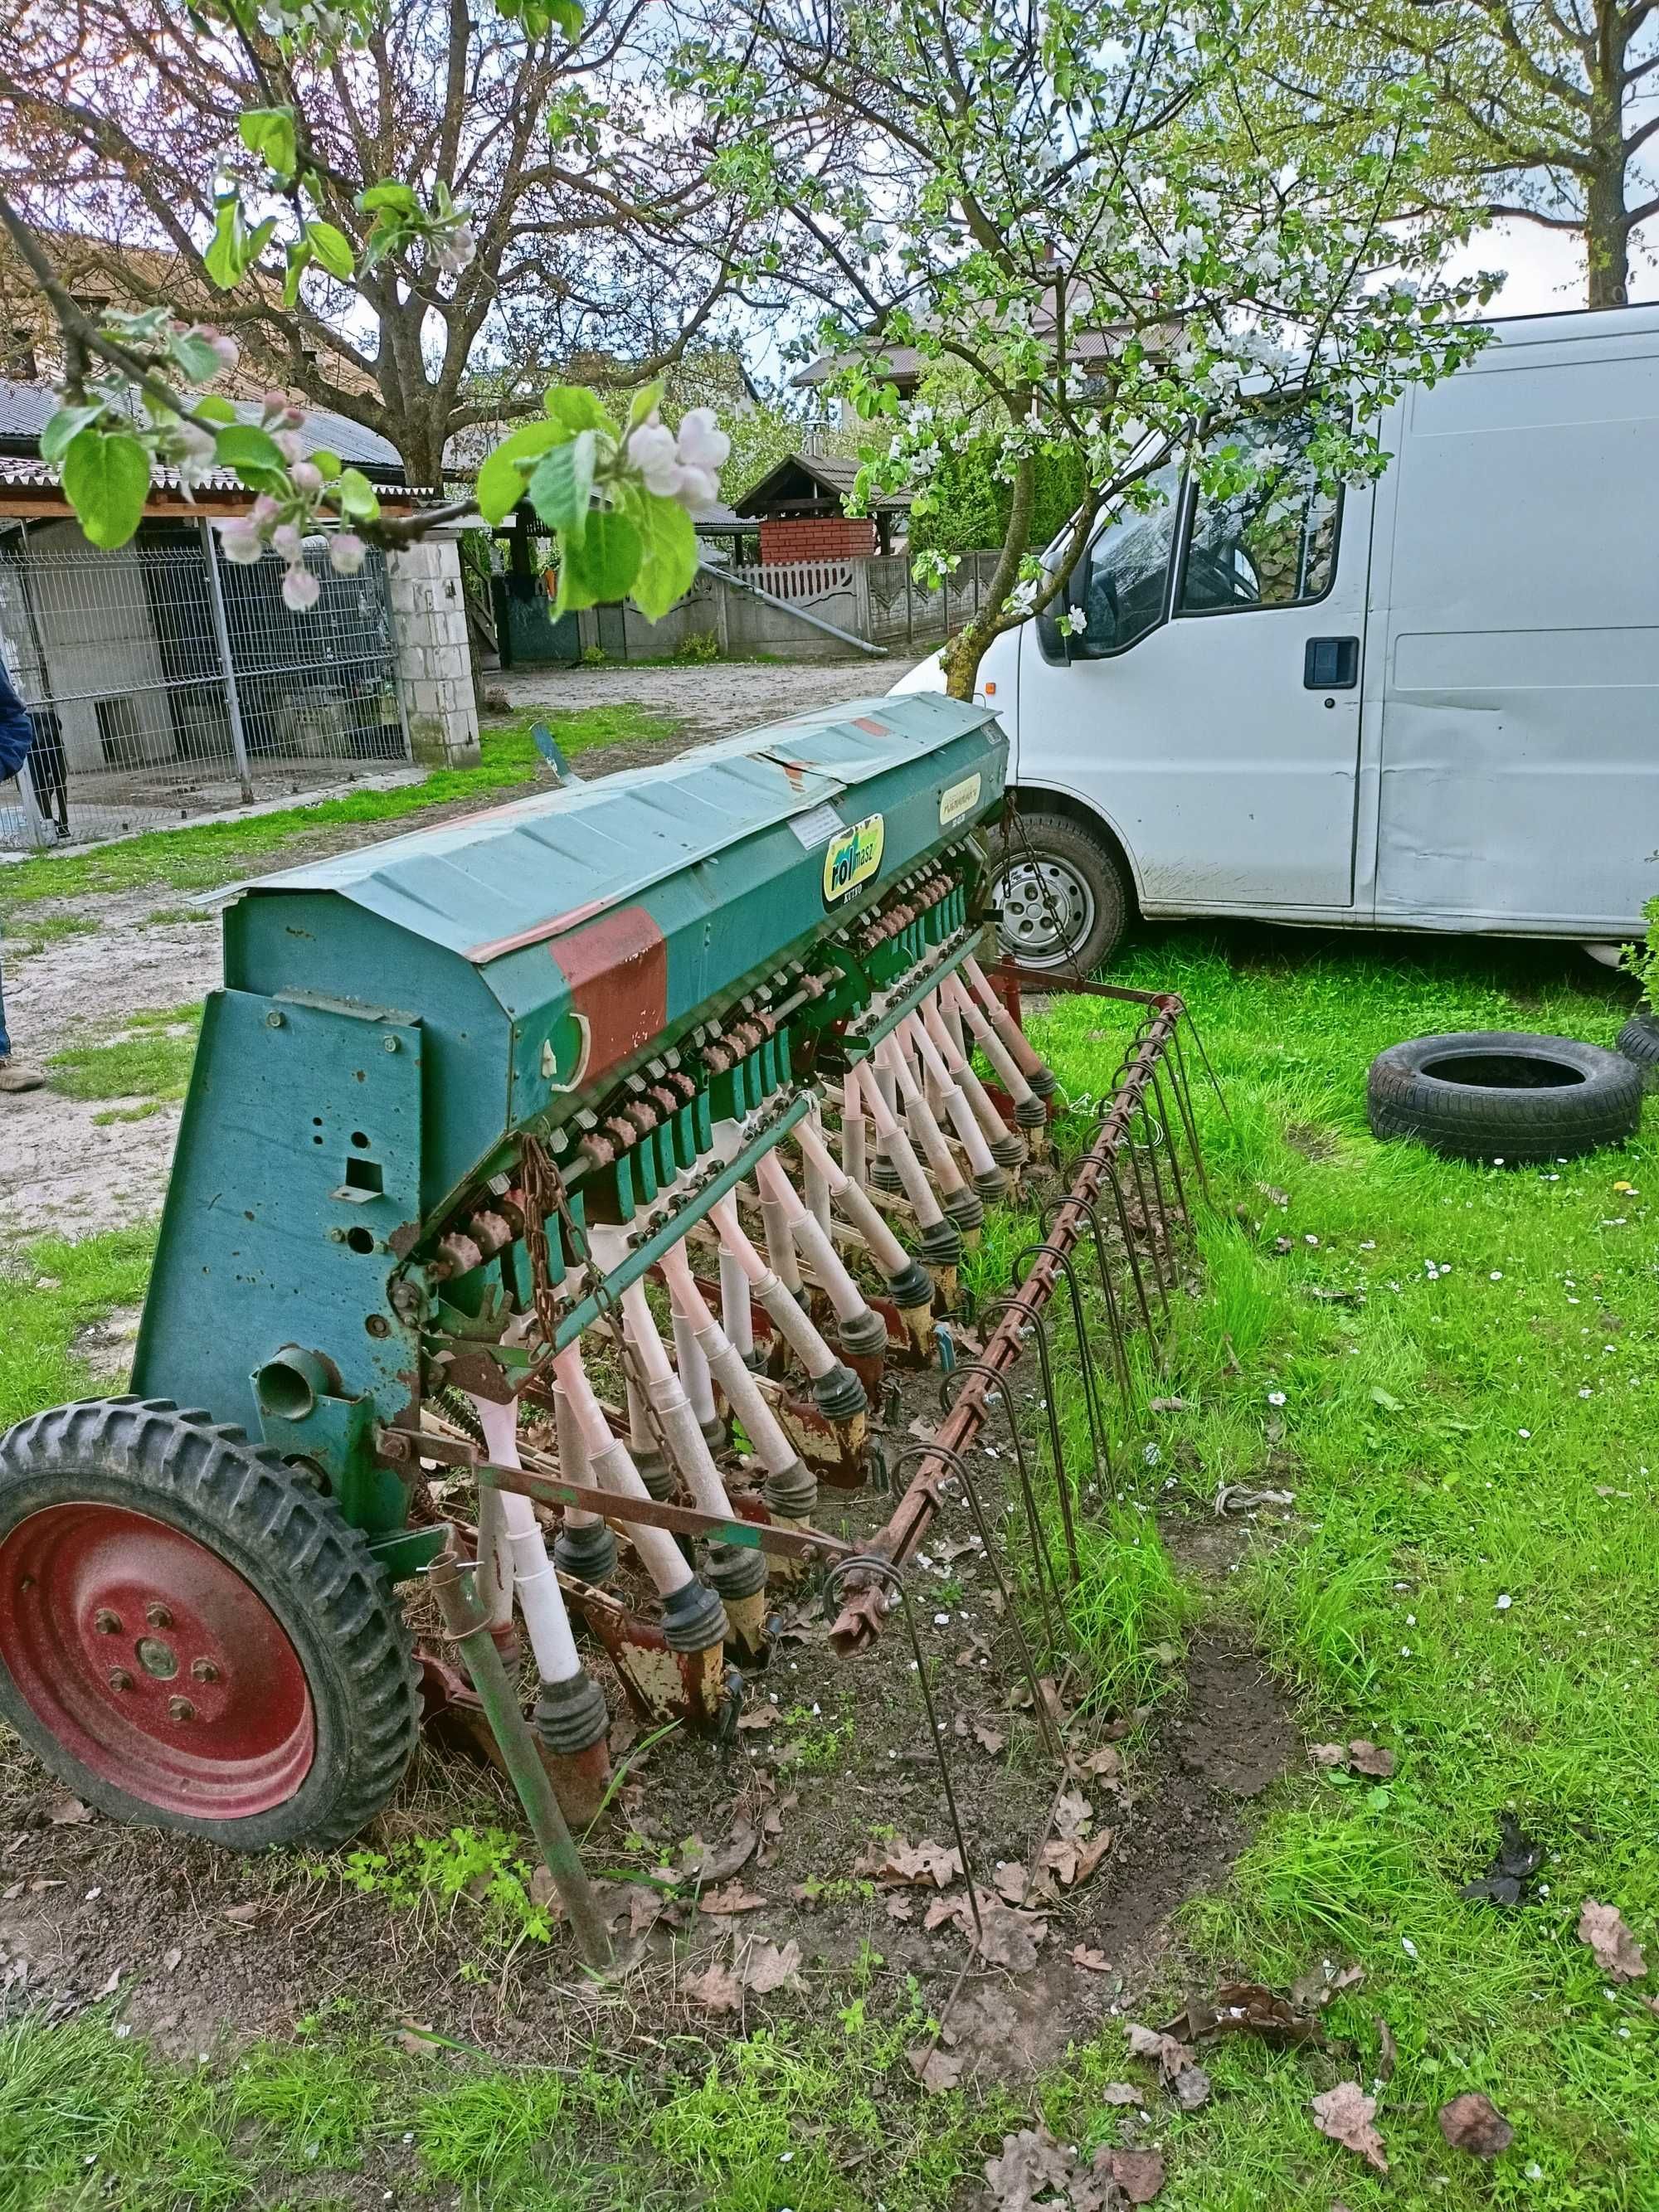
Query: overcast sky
1545,270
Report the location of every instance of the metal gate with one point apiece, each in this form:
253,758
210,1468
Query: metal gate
164,682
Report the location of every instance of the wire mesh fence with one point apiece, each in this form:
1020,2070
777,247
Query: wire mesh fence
164,682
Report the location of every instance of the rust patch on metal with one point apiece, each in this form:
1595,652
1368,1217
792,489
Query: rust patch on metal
617,970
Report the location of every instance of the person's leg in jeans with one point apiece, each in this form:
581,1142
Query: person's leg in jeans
14,1074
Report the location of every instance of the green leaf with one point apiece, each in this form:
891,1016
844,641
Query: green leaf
1386,1398
241,445
355,496
328,463
567,14
269,132
577,409
213,407
649,397
223,259
670,561
332,249
299,260
400,199
601,566
501,480
107,481
64,426
560,485
196,358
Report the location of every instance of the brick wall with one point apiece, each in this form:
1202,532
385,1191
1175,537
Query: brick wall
818,538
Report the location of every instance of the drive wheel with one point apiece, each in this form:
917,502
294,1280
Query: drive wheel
190,1635
1062,897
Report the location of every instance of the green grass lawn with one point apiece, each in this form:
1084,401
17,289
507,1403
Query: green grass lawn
150,1060
1475,1424
209,854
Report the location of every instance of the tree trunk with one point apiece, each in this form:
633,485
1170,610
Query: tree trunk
1607,233
965,651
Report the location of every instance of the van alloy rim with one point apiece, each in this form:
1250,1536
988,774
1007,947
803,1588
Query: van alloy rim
153,1662
1047,911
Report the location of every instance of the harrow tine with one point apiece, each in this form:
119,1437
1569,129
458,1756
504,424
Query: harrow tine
991,1312
1121,1367
1181,1087
1042,1559
1172,1151
873,1567
958,1466
1087,1370
1198,1041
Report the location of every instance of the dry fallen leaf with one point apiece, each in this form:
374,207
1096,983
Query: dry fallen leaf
935,2067
1618,1953
713,1862
1366,1758
1249,2008
1121,2092
170,1958
1167,2051
904,1861
943,1909
1072,1812
732,1897
645,1907
111,1986
1007,1938
1191,2089
767,1967
758,1716
1104,1761
1327,1755
69,1812
716,1989
1345,2114
900,1908
244,1915
1030,2162
1138,2174
1011,1882
1092,1962
1473,2123
1386,2052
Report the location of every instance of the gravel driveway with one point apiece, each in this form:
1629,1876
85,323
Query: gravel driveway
62,1172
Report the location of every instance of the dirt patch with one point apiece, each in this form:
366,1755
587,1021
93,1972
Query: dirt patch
710,698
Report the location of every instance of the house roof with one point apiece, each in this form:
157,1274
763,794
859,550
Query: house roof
800,476
909,365
25,409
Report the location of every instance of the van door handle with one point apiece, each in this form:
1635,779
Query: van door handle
1330,664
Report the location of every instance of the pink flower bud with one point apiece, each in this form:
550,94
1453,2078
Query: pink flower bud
288,542
290,444
225,346
346,552
264,512
238,541
307,476
274,402
302,590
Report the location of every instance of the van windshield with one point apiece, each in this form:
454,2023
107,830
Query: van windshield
1120,590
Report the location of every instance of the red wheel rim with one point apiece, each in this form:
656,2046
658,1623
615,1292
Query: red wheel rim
153,1661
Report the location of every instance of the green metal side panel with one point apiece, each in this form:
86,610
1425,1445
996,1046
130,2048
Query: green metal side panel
286,1133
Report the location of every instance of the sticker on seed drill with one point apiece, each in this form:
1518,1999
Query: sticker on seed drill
853,858
957,800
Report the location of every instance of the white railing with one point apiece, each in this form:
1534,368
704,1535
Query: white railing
799,580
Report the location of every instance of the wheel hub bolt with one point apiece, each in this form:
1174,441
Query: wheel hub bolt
105,1622
205,1670
119,1679
180,1709
157,1615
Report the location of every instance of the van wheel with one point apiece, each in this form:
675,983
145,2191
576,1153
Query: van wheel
1063,898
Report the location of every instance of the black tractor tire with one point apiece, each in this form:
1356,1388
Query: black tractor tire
1065,896
1639,1040
1503,1095
128,1528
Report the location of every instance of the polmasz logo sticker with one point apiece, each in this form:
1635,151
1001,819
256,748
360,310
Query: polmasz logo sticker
853,858
957,800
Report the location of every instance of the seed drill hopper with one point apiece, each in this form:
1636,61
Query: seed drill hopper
558,1194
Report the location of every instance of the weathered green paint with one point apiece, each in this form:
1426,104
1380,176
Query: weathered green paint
395,1018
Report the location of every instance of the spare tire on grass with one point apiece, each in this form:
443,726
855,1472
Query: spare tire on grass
1503,1095
1639,1040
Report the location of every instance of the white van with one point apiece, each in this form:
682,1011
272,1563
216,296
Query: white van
1428,704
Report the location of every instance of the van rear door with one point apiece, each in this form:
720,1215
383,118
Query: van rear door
1516,536
1210,711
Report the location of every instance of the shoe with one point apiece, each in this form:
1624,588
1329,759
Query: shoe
18,1075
